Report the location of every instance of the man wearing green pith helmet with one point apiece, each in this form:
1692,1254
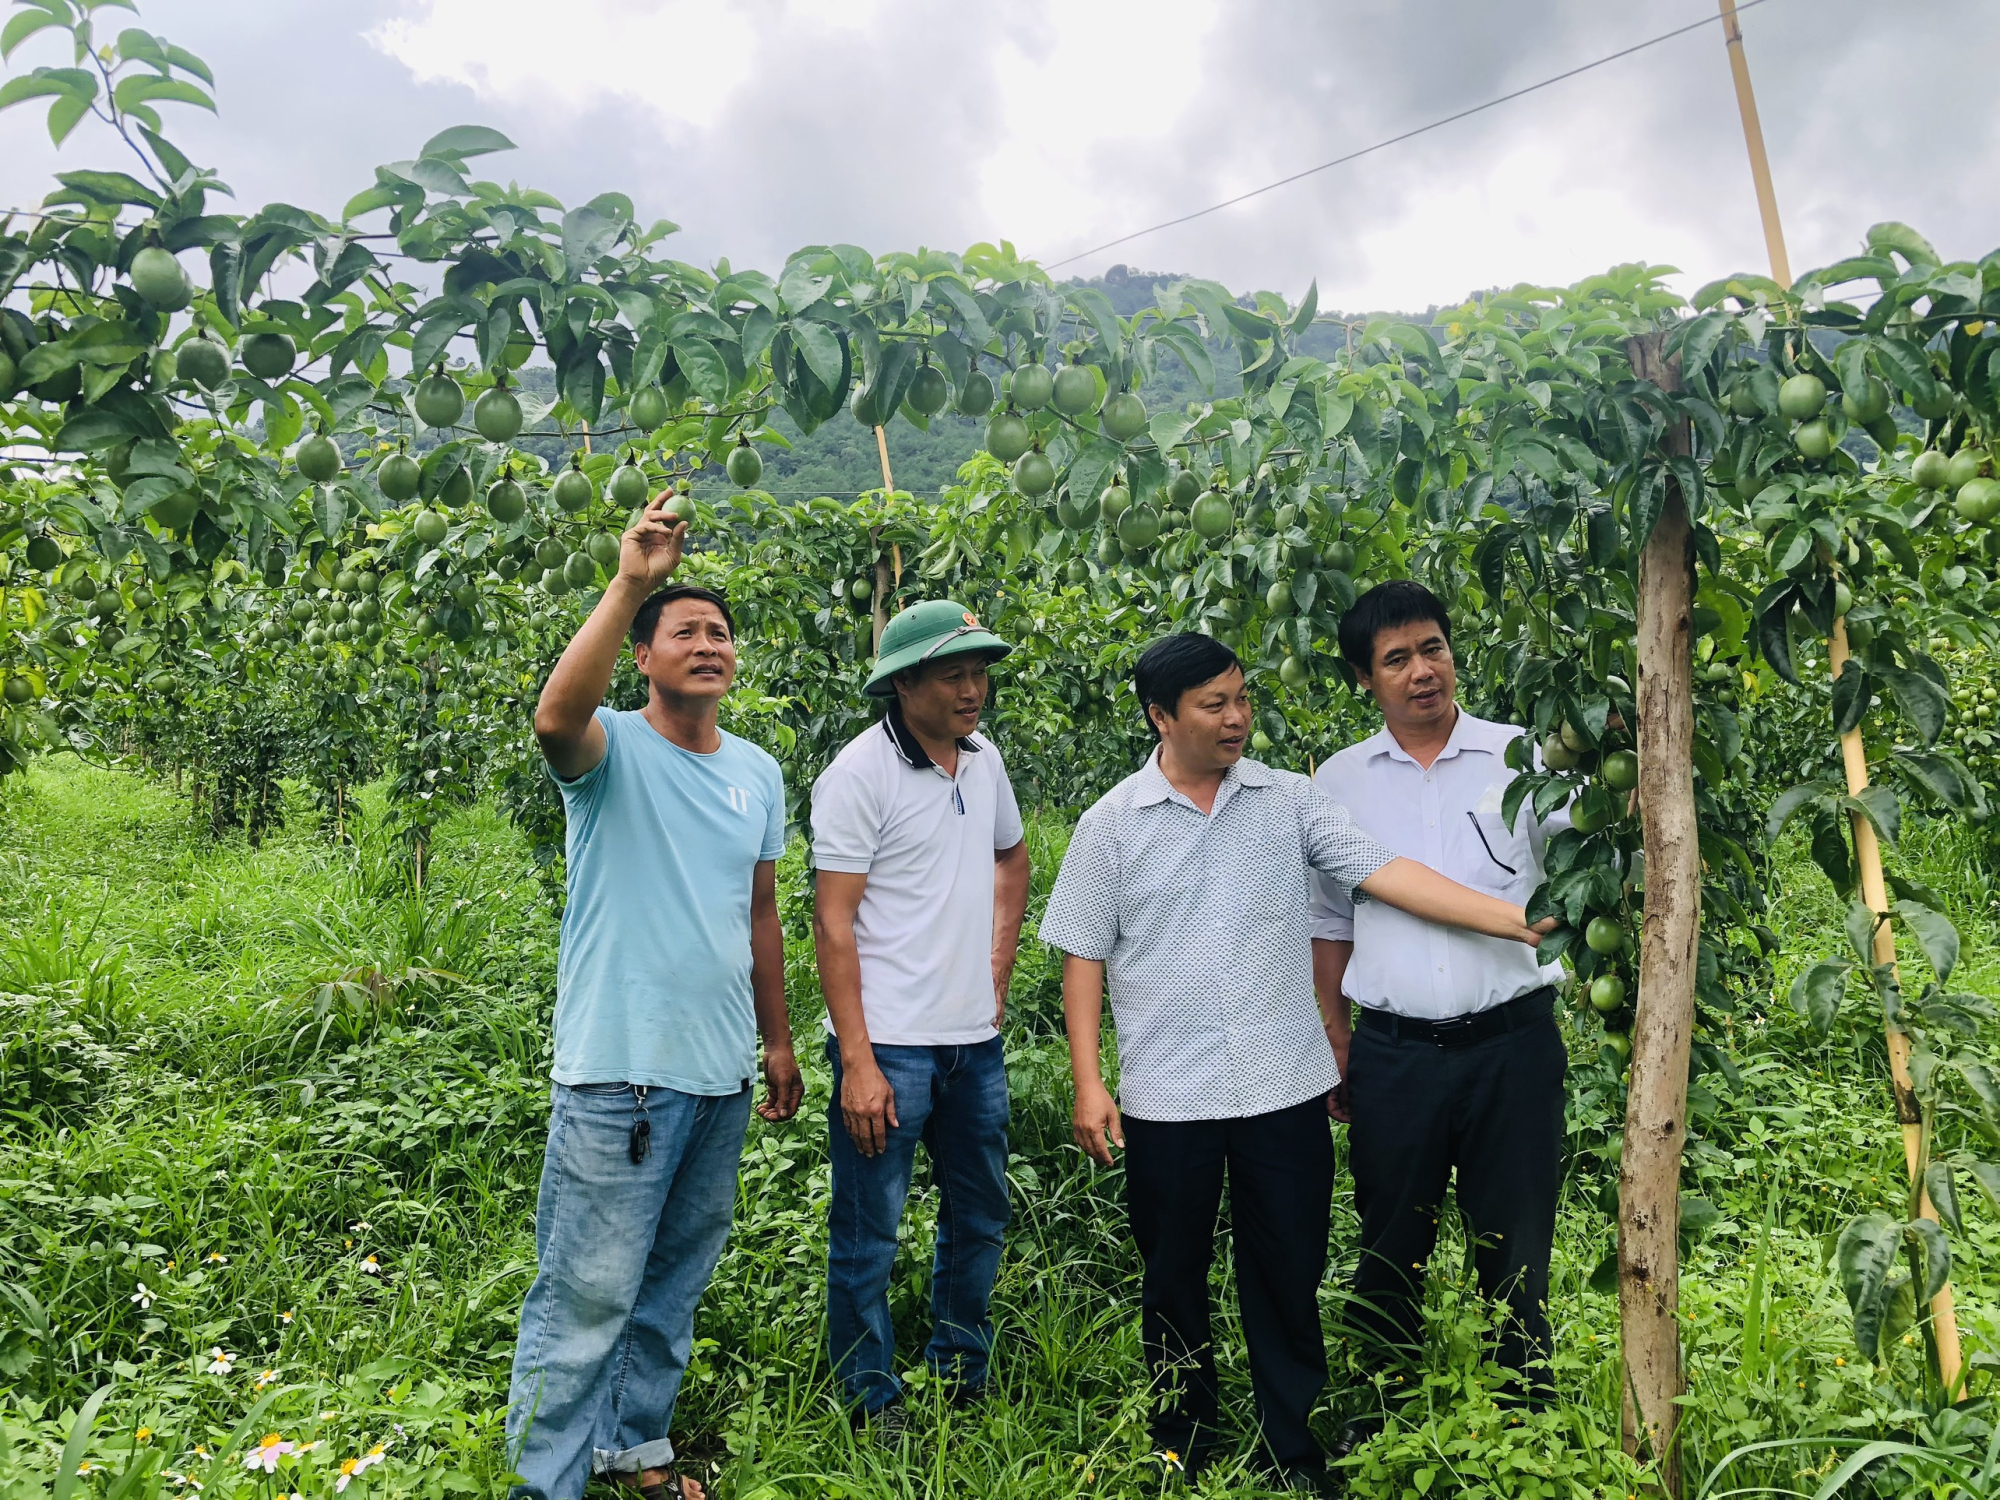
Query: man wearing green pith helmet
922,884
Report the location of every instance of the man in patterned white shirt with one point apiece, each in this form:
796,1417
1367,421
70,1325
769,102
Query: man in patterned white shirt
1186,884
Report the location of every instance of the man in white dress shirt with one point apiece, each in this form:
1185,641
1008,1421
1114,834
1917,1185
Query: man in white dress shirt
1447,1043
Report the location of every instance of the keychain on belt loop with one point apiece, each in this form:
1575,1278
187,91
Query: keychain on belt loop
642,1127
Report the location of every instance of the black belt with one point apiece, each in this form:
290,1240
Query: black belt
1461,1031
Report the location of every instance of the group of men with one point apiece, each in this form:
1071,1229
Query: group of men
1280,954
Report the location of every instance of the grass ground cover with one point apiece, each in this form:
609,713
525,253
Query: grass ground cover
271,1124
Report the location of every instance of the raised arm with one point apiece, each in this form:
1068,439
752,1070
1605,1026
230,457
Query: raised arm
566,726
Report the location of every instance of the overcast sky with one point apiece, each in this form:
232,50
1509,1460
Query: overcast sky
766,125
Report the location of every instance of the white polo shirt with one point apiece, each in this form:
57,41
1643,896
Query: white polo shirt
1447,817
926,842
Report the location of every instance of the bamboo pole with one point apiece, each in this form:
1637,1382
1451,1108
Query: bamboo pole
1753,136
1853,756
882,578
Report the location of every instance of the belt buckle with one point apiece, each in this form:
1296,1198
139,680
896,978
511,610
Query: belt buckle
1444,1033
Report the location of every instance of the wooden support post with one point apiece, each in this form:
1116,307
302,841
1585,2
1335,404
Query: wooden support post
1663,1023
1909,1112
883,581
1853,756
1753,137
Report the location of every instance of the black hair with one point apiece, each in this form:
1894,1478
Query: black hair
1400,601
1174,664
647,620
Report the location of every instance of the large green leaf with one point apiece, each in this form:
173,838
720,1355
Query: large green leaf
1928,1236
1864,1255
1817,991
1943,1194
1922,701
1794,800
1880,805
466,140
1934,933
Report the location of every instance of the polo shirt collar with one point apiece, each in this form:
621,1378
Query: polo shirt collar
1464,736
907,744
1154,787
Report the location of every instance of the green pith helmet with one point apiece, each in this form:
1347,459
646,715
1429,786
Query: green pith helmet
926,632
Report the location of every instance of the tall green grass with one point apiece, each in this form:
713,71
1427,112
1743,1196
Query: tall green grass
302,1107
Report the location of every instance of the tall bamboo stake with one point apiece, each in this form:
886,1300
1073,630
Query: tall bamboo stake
882,579
1853,757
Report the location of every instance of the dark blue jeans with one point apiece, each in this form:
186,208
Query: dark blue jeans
954,1100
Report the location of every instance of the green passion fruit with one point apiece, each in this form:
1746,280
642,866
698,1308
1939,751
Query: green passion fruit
1621,770
1294,674
1557,756
1212,516
318,459
506,501
627,489
456,490
1075,390
1034,386
1607,993
1124,417
1115,500
1139,528
580,570
573,490
176,512
1604,936
1007,437
929,390
604,547
1978,501
204,361
1801,397
399,478
1930,469
158,278
268,356
497,415
745,465
430,527
1183,490
550,553
439,401
647,408
1034,474
1963,467
1813,439
44,554
1866,401
975,397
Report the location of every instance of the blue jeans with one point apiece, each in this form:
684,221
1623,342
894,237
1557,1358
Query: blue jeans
625,1250
953,1099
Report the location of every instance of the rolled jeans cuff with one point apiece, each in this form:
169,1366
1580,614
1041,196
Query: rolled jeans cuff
654,1455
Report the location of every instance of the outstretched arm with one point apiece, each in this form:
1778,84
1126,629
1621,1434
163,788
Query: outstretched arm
566,726
1422,892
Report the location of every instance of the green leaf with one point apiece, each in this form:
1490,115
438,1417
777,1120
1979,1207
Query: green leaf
1922,701
1794,800
1879,805
1774,638
1928,1236
65,115
820,346
110,187
1860,924
705,369
46,82
1817,992
1864,1254
466,140
1945,778
1935,934
1986,1177
1943,1194
1853,691
142,89
25,25
66,1476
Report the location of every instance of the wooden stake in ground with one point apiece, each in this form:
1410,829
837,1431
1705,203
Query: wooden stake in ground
883,581
1853,757
1662,1029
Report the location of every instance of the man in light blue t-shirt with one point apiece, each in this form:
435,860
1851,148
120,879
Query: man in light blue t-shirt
672,962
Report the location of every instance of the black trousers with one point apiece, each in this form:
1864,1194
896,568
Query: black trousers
1493,1111
1280,1172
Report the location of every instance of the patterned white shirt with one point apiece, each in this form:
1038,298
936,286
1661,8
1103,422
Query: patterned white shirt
1201,920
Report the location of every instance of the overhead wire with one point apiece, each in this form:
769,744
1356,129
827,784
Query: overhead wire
1398,139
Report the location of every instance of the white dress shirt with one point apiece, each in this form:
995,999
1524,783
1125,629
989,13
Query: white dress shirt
1449,818
1201,920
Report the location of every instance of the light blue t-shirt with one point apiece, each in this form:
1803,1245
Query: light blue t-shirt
653,980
